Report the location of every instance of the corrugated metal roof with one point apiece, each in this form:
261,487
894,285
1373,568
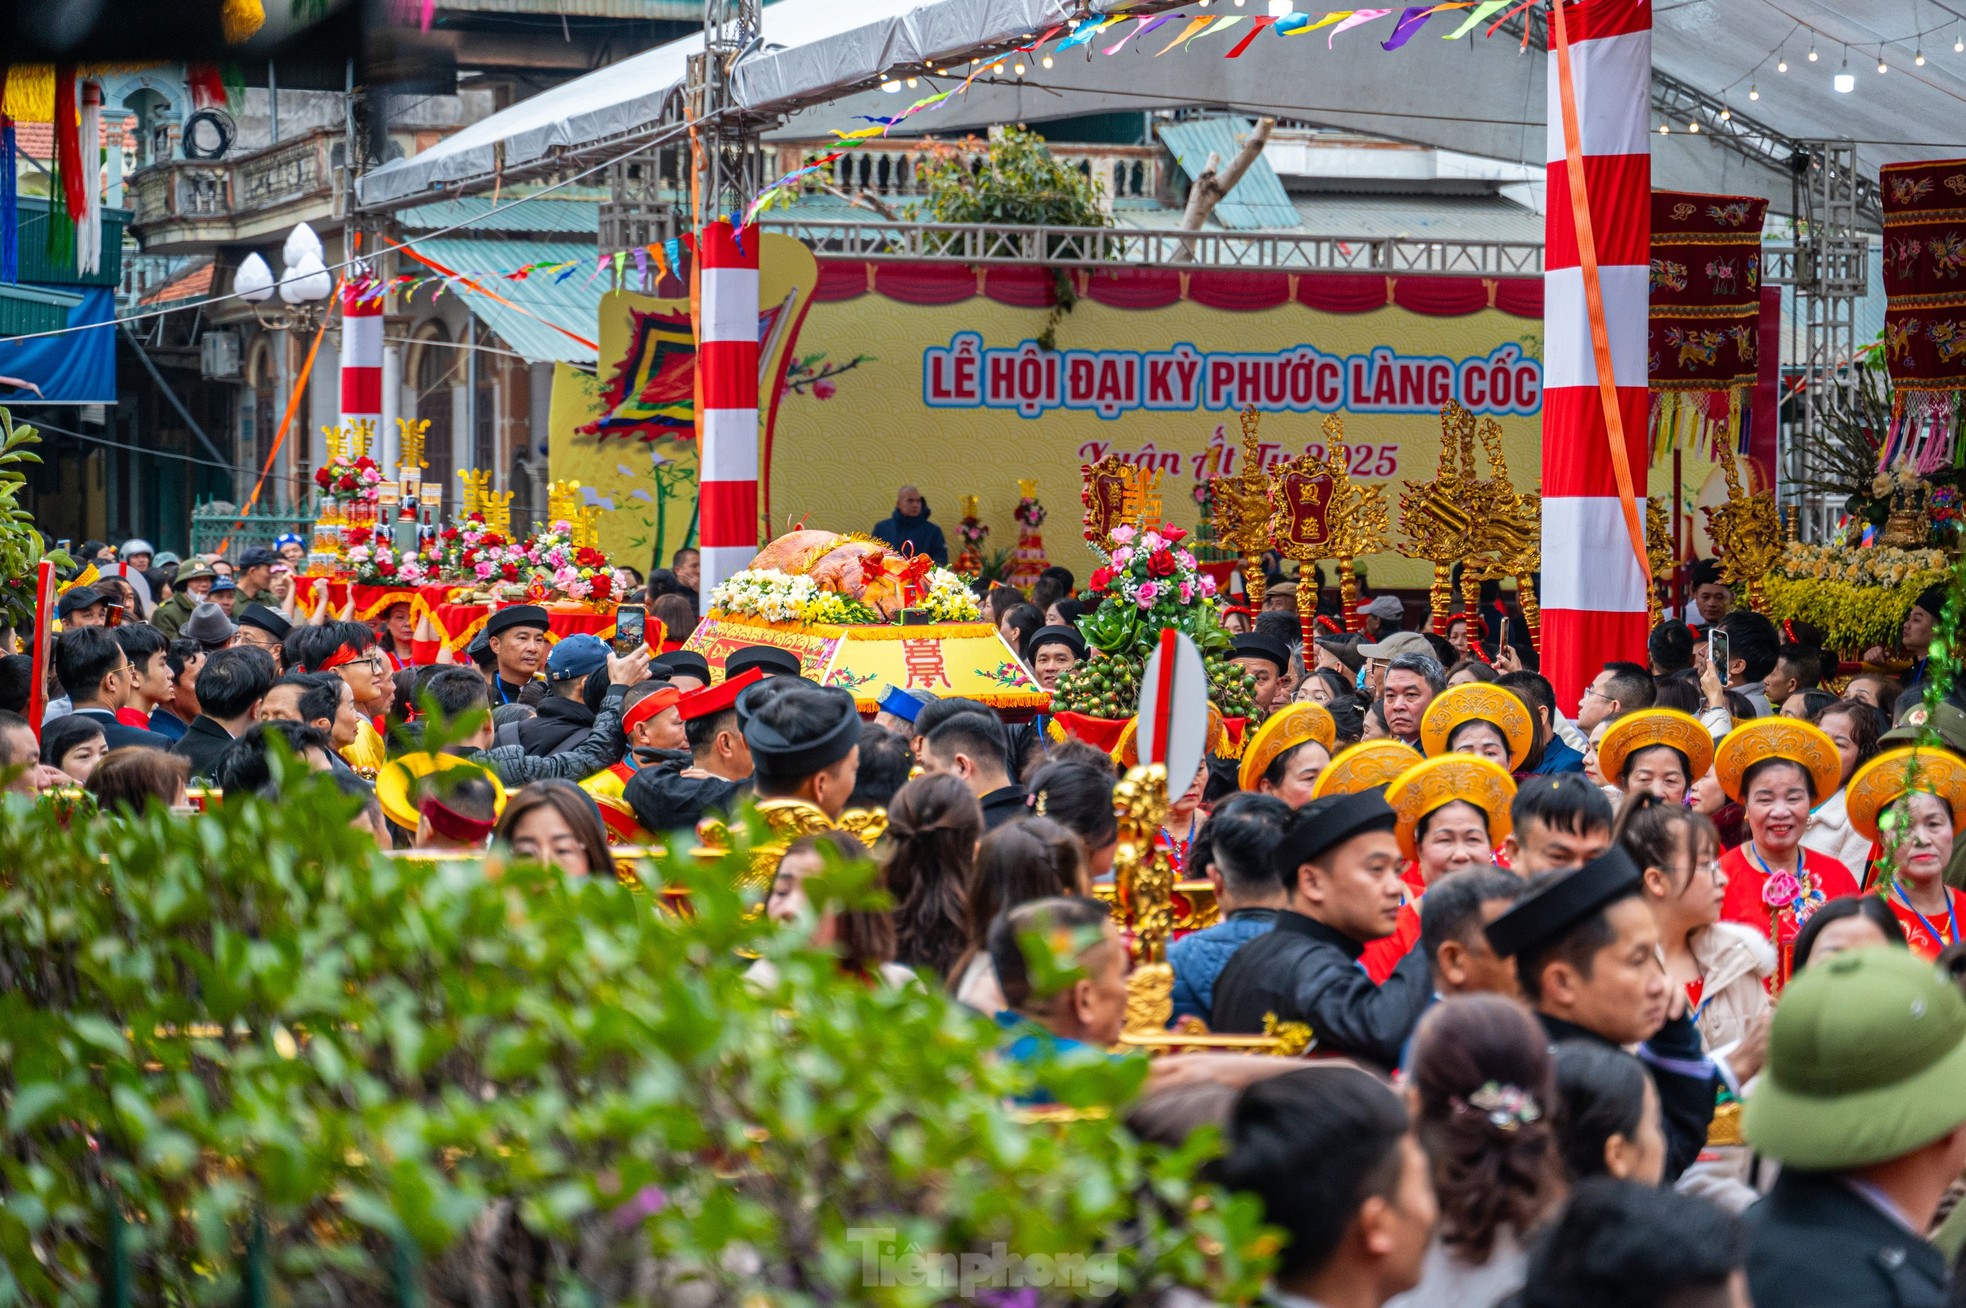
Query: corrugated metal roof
1259,202
574,304
478,213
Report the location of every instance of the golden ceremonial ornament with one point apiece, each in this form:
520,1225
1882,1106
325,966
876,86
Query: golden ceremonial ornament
1747,535
1241,516
1649,727
1895,774
1318,512
1491,529
1365,765
1145,890
785,820
1766,738
1478,701
1659,554
1281,732
1427,786
477,482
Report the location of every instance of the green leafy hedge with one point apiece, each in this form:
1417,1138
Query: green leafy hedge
272,1066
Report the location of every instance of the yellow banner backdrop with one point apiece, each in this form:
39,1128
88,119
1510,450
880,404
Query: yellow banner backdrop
926,375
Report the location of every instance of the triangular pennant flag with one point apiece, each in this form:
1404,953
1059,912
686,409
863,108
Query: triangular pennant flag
1481,11
1335,16
1194,25
1222,24
1359,18
1144,25
1412,21
1262,25
1088,29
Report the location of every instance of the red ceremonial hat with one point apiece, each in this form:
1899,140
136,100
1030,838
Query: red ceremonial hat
648,706
701,703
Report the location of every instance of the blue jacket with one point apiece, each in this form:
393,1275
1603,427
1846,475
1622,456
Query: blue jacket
1559,757
1199,957
924,535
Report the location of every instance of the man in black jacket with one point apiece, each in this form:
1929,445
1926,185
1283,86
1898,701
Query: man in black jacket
970,747
230,687
664,799
1587,957
1339,863
98,676
909,529
564,720
1860,1102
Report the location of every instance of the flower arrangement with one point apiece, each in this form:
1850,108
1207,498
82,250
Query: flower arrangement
775,596
473,551
374,561
1150,581
1029,513
578,572
1857,597
949,598
346,480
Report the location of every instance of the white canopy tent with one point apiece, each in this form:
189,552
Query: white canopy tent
808,53
1478,96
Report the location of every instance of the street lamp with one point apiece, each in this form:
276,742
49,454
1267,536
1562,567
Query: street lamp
304,288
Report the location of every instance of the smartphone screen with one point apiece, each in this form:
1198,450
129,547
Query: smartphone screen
115,618
1717,653
629,623
1502,641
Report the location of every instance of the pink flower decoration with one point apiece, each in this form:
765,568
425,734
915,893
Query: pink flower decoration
1148,592
1122,557
1122,534
825,390
1207,584
1781,890
484,571
1187,592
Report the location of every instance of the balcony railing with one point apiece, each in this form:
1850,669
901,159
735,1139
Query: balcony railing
985,243
899,171
187,202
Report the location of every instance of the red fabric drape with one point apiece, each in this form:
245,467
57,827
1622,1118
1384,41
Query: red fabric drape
1022,288
1238,290
1441,297
915,283
1135,288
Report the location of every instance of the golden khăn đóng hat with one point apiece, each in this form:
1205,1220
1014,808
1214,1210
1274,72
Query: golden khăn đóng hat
1127,751
1283,731
1881,782
1426,786
1362,766
1649,727
1799,742
1478,701
399,788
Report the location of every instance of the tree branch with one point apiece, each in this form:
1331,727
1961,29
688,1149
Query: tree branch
864,200
1211,186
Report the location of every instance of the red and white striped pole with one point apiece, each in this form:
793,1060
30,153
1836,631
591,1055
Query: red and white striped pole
727,400
361,357
1596,297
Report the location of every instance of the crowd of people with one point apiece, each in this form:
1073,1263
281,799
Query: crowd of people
1646,999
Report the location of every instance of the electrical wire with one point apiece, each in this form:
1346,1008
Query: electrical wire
176,306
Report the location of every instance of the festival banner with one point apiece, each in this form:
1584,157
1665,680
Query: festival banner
932,375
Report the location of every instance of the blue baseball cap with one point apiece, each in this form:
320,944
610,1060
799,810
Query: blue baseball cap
224,583
576,656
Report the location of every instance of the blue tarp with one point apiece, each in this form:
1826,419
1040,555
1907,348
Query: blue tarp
76,367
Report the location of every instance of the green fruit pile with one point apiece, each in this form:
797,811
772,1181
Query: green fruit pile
1109,687
1230,688
1106,686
